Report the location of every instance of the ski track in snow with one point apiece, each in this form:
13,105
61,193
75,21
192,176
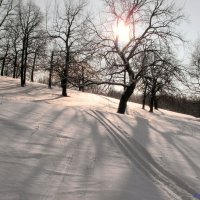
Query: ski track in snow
140,157
78,148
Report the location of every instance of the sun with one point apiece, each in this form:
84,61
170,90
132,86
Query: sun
122,31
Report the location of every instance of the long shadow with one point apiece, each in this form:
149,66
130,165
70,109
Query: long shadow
10,87
126,178
30,180
54,172
47,168
49,99
190,162
142,148
168,139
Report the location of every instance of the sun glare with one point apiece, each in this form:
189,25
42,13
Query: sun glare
122,31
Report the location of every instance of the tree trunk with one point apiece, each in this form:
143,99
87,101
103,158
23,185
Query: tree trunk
81,88
156,103
22,64
15,65
33,67
51,70
124,80
22,75
125,97
151,103
24,78
144,97
64,86
82,79
4,61
153,96
64,81
79,84
3,66
152,99
25,61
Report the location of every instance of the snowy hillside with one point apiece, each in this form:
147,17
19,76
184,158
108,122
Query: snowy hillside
78,148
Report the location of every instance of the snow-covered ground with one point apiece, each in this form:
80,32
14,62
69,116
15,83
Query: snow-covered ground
78,148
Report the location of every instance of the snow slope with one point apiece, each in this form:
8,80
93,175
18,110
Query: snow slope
78,148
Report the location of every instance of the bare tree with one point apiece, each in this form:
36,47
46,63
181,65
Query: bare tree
30,18
194,69
14,34
37,51
5,52
161,77
6,8
81,75
73,34
147,21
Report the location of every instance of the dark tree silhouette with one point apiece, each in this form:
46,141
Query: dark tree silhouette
73,34
156,20
30,18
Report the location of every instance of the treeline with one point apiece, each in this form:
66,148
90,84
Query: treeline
180,104
29,45
189,106
71,48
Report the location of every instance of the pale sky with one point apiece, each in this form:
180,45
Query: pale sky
192,11
191,29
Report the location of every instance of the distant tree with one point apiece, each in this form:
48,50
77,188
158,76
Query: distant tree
5,48
30,18
194,69
37,51
147,21
160,78
73,34
14,34
81,75
6,8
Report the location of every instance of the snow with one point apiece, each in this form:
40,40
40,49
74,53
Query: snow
77,147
